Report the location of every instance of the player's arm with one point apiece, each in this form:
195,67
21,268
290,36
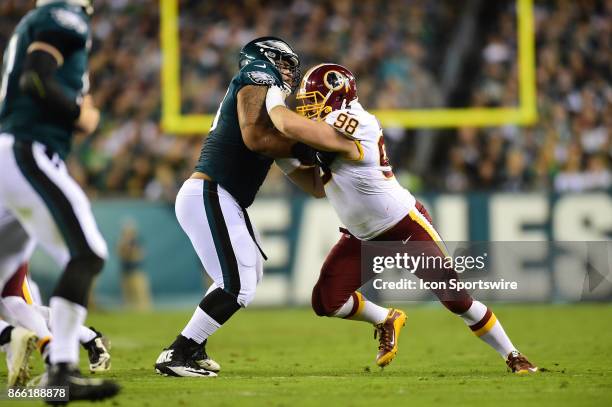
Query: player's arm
308,179
258,134
319,135
44,57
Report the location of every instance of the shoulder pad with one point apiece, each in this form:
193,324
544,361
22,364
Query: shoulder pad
261,73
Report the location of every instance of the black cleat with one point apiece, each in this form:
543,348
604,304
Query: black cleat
79,387
97,351
178,361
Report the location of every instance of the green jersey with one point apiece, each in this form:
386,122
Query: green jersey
20,114
224,156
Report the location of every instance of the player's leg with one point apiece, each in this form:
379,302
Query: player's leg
94,342
230,257
18,299
21,312
56,213
335,295
17,247
16,341
216,226
30,326
480,319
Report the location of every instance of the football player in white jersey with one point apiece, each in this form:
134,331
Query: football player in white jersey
358,181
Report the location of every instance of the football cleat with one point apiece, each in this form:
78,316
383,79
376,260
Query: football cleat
18,352
518,363
97,352
174,362
41,380
79,387
388,333
202,359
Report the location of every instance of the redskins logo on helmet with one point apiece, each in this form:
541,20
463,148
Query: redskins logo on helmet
325,88
334,80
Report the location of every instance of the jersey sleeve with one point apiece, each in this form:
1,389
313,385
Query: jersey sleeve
260,73
350,124
64,28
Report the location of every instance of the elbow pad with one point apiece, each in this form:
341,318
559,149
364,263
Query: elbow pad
38,82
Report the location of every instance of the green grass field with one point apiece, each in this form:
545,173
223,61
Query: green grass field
289,357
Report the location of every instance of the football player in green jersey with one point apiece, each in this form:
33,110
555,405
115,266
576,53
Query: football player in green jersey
44,101
211,205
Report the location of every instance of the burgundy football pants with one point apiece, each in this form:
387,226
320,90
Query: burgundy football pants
341,273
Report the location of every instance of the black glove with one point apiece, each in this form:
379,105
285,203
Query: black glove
325,158
304,153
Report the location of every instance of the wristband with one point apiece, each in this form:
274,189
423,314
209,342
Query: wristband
274,97
287,165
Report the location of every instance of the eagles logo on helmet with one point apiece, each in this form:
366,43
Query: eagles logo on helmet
325,88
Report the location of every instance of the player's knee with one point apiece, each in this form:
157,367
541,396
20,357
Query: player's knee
317,306
323,304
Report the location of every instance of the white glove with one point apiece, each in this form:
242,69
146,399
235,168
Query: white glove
275,97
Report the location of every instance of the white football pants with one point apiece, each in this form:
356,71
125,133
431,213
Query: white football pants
219,233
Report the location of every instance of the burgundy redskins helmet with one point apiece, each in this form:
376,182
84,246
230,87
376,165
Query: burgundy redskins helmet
325,88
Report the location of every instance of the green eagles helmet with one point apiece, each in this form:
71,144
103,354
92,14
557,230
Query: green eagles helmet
276,51
86,4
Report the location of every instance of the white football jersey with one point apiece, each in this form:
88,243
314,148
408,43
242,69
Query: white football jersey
364,193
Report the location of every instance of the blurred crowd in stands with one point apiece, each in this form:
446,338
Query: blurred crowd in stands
395,48
570,147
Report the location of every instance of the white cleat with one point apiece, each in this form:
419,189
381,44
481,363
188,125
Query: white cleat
204,361
209,364
18,352
98,353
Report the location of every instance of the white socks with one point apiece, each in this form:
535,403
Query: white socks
66,318
358,308
498,340
371,313
485,325
475,313
200,326
345,309
86,334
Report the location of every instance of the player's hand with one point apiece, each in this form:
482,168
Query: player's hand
89,118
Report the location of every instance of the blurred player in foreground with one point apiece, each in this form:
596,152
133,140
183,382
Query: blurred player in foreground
43,101
359,183
19,305
211,204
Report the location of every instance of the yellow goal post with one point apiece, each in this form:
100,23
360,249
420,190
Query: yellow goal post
173,121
